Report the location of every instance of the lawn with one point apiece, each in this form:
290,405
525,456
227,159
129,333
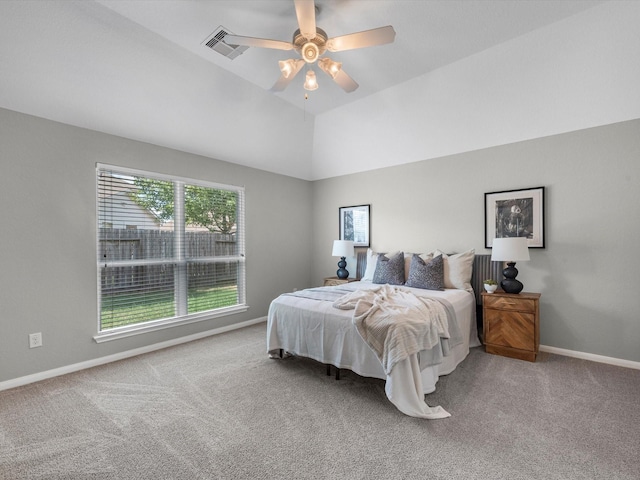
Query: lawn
123,309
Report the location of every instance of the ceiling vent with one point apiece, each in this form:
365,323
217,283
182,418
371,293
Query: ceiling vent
214,42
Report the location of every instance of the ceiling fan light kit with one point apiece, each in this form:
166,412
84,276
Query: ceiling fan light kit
310,52
311,42
330,67
310,82
291,67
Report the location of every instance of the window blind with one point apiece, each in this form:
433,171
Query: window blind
168,249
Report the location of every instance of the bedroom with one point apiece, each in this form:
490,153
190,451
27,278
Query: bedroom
590,172
584,150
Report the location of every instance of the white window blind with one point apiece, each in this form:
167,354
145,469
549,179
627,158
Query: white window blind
169,250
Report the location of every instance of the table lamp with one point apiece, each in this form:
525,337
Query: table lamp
510,250
342,249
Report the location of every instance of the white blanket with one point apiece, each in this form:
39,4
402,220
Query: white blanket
397,324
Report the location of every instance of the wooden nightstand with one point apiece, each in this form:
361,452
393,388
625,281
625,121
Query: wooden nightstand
331,281
511,324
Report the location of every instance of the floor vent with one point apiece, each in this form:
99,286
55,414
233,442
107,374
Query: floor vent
215,43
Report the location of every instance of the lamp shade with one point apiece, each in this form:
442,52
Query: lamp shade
510,249
342,248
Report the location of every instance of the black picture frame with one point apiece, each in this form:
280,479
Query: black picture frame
515,213
355,224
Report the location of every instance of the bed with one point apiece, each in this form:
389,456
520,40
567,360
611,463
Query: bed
307,323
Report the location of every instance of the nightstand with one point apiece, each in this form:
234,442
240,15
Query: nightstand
331,281
511,324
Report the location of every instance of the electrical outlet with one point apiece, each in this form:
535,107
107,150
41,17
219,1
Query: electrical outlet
35,340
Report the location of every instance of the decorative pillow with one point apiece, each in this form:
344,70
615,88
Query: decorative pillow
426,274
390,269
372,263
458,269
407,262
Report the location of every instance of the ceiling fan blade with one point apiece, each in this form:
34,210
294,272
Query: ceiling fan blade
345,82
285,79
306,13
368,38
257,42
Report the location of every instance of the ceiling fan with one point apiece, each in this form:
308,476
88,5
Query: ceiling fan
311,42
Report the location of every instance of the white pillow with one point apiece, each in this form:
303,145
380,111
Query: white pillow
458,269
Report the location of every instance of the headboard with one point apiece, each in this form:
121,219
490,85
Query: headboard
483,268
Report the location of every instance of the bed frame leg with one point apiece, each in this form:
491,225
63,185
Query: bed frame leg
329,372
281,353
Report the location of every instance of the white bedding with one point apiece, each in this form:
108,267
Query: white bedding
303,325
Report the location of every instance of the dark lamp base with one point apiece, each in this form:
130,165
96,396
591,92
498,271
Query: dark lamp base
510,284
342,272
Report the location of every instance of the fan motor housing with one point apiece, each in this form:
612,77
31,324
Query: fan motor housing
300,42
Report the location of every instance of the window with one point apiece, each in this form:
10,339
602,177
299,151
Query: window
169,251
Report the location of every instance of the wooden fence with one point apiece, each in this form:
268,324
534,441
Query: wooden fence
131,244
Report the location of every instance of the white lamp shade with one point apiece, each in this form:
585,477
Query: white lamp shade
510,249
342,248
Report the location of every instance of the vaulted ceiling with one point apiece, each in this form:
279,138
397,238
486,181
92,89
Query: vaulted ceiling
139,69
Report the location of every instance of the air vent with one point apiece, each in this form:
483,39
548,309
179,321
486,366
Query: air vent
215,43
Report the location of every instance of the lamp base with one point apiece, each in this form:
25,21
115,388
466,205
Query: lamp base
510,284
342,272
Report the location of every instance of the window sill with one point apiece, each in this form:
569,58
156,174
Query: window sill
129,331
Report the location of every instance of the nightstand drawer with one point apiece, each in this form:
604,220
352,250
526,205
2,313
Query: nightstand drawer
333,281
511,303
510,329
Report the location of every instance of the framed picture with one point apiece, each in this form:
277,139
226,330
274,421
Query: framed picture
355,224
515,213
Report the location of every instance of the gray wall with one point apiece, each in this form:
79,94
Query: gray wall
47,238
587,274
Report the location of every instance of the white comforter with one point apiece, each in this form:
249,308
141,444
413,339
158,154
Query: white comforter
306,324
396,323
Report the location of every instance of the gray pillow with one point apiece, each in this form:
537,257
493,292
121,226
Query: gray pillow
426,275
390,270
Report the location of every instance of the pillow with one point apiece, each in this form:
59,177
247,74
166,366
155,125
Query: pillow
370,269
426,274
390,269
458,269
407,262
372,262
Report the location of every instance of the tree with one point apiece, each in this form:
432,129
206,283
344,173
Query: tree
211,208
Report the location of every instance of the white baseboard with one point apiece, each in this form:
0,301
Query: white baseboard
592,357
36,377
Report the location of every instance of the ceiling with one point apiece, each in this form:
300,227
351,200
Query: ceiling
139,69
429,35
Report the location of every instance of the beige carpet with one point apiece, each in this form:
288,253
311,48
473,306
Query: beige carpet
219,408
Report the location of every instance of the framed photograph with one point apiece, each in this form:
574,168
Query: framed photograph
355,224
515,213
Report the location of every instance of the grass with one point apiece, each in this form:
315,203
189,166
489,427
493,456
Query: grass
123,309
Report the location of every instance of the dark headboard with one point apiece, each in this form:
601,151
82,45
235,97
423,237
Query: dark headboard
483,268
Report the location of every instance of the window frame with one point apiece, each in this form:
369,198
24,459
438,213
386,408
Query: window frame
154,325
